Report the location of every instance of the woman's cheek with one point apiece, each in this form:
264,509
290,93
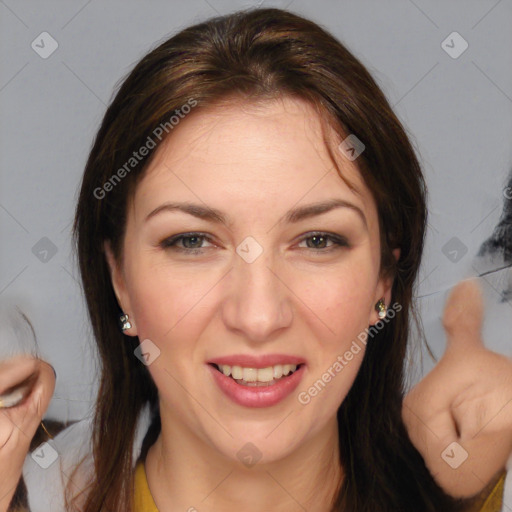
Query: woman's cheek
343,300
161,295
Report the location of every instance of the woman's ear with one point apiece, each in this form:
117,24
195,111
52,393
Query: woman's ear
119,286
383,291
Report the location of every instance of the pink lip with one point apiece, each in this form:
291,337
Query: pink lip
264,396
259,362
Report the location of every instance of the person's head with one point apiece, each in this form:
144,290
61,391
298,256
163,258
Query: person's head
245,121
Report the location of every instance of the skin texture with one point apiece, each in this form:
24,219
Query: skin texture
466,398
255,163
18,424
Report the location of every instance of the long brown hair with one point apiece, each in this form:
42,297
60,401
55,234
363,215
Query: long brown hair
258,55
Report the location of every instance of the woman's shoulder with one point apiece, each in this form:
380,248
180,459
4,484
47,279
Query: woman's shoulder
51,464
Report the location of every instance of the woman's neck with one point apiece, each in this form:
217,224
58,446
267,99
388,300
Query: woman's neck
185,473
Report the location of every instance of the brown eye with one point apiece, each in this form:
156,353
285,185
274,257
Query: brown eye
325,242
317,242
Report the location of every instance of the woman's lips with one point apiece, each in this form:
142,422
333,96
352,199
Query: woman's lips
257,395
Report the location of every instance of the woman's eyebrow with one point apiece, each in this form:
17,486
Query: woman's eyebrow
314,209
292,216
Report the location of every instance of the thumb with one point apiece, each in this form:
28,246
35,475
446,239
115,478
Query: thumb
463,317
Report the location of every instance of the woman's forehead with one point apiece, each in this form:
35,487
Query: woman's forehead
228,133
279,143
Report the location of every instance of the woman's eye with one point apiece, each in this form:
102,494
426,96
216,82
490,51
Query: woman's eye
189,242
193,243
320,241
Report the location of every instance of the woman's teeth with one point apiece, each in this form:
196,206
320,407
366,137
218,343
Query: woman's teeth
257,376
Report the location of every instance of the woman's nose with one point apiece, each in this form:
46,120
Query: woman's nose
258,303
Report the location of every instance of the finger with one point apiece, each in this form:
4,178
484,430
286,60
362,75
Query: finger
16,370
26,416
42,394
463,317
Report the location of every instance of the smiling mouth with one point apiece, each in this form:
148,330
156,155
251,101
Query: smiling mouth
257,377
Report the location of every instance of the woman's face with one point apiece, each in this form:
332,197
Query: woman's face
268,276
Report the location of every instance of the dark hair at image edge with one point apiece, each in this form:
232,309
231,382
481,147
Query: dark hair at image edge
260,55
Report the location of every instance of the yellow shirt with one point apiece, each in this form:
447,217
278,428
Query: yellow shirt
494,501
144,501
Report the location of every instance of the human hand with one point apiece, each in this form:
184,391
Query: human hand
466,399
26,387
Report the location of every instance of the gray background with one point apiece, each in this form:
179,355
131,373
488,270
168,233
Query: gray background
457,110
